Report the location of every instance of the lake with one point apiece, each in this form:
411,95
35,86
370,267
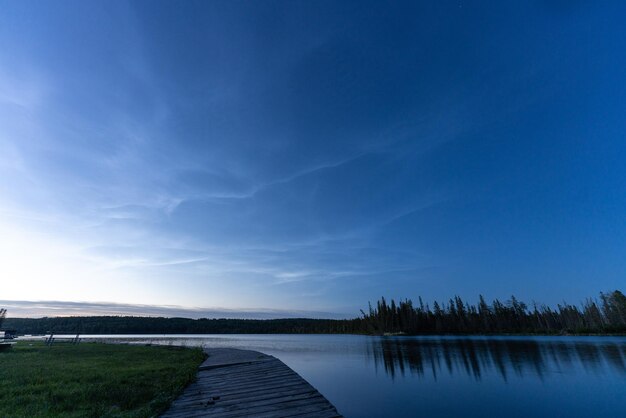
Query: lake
434,377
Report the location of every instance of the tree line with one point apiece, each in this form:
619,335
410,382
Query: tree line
606,315
157,325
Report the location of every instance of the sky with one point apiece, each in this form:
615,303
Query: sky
306,157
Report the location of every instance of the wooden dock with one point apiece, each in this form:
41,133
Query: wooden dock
241,383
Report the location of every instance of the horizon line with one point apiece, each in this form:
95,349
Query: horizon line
55,308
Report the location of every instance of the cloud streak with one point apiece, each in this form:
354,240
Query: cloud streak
39,309
225,155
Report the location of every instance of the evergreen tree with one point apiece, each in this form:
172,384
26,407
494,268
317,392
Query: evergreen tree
3,314
514,316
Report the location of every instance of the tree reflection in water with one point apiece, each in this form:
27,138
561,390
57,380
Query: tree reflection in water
482,356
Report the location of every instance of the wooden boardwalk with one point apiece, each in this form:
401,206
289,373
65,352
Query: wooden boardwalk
241,383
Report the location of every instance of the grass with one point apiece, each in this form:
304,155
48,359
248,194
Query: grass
93,380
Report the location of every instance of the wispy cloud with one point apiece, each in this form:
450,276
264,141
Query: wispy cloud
38,309
237,161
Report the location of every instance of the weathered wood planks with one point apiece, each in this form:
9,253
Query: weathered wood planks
235,383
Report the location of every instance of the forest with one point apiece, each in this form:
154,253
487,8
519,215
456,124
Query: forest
159,325
608,315
604,316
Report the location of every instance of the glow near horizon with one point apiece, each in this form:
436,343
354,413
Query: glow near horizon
226,156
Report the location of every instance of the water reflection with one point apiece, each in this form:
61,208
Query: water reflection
478,357
364,376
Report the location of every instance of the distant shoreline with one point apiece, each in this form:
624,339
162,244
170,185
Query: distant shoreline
122,325
454,317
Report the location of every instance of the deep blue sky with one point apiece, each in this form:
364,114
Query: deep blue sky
311,155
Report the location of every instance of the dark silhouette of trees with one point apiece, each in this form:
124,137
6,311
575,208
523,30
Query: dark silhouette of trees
154,325
512,316
386,317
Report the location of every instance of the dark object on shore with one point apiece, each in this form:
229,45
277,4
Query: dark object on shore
3,314
5,346
72,340
8,334
5,334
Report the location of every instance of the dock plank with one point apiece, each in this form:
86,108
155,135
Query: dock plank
247,392
233,383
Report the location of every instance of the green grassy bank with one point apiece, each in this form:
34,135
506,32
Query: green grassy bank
92,380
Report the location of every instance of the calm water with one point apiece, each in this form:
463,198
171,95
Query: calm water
450,376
